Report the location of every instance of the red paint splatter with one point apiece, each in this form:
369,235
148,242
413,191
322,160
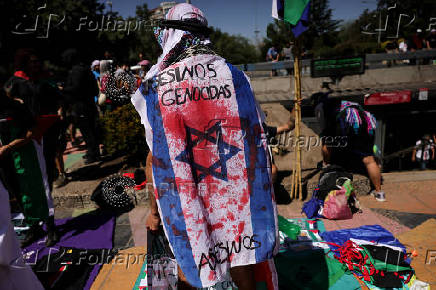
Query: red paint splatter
212,275
201,221
159,162
176,232
241,227
245,198
198,234
206,201
230,216
214,227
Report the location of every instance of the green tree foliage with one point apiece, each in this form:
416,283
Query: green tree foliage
63,18
422,10
322,30
84,24
123,132
234,48
354,37
351,38
143,40
278,34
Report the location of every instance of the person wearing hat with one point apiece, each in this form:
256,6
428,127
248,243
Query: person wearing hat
209,159
416,41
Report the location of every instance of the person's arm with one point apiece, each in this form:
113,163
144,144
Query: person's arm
14,145
277,57
290,125
432,152
153,220
414,155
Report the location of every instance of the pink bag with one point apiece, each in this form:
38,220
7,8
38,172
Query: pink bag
336,205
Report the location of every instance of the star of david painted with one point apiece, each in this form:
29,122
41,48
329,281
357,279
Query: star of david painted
225,150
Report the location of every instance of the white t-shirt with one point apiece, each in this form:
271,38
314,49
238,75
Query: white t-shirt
402,46
427,147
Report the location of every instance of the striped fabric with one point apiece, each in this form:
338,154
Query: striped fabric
210,167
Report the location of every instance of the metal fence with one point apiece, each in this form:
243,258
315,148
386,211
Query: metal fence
373,61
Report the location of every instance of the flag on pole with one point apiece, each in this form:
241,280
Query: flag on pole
302,23
278,9
295,12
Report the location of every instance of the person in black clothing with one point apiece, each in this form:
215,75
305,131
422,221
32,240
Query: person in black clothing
52,104
345,143
79,91
431,40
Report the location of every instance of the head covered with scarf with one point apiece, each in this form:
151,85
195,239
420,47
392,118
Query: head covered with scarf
175,42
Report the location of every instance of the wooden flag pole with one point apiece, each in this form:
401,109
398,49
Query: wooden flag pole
296,190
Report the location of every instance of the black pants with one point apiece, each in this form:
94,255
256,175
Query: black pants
87,124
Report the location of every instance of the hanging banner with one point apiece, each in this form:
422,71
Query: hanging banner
388,98
337,67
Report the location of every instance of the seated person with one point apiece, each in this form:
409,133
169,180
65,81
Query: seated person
347,137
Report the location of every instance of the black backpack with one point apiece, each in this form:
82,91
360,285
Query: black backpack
329,178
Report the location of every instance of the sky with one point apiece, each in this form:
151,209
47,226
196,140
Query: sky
243,17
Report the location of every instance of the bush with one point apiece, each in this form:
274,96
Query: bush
123,133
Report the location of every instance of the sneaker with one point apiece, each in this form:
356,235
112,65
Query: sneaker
61,181
379,195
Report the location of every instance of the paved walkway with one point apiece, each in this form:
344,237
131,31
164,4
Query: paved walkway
409,213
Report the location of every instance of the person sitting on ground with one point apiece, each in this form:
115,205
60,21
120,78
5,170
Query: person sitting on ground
424,151
348,134
209,157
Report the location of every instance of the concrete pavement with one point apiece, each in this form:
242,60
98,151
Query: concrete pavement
409,213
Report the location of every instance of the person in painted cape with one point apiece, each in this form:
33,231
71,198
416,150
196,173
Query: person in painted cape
209,157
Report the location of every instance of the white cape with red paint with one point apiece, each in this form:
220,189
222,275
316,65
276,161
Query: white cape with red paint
211,167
